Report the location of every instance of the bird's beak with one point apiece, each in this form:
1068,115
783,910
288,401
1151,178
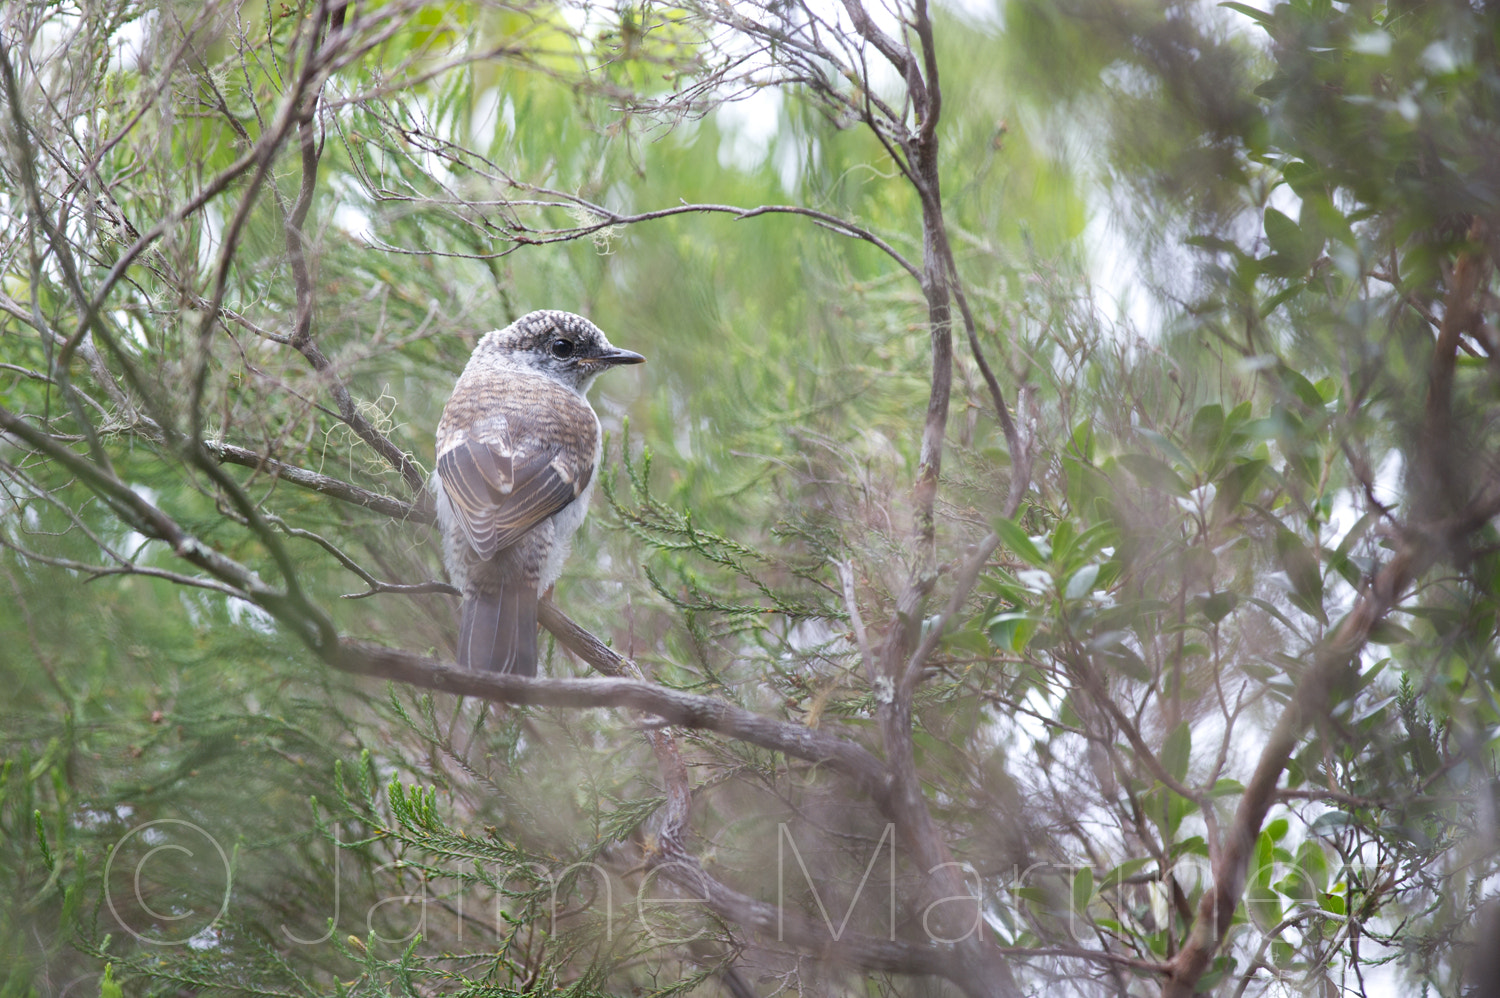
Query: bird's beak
614,356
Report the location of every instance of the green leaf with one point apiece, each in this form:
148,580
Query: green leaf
1271,609
1126,869
1082,582
1193,845
1166,446
108,986
1095,539
1340,560
1284,236
1083,440
1301,567
1011,631
1233,485
1125,659
1280,298
1312,865
1178,807
1208,427
1262,903
1083,889
41,840
1273,88
1331,822
1177,752
1060,546
1016,540
1215,243
1154,473
1333,223
1302,177
1305,390
1259,16
1386,631
1034,894
1216,606
1265,859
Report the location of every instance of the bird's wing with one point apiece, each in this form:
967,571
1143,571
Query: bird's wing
505,473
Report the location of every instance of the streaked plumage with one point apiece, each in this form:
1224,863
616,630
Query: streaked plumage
517,446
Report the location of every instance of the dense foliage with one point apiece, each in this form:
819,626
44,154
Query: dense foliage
1050,548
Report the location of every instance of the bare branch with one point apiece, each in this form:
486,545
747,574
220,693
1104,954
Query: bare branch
684,710
291,608
1309,703
420,512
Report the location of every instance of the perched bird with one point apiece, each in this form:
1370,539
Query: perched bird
516,451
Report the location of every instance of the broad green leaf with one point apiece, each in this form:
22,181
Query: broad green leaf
1083,440
1154,473
1177,752
1301,567
1016,540
1082,582
1166,445
1216,606
1302,178
1331,822
1061,544
1305,390
1280,298
1036,895
1208,427
1193,845
1263,903
1227,788
1283,234
1083,889
1313,864
1233,484
1386,631
1259,16
1125,870
1124,660
1271,609
1096,538
1011,631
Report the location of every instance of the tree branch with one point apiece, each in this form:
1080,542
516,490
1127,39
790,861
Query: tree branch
685,710
420,512
1311,701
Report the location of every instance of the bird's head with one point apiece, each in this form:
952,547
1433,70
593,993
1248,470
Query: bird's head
565,347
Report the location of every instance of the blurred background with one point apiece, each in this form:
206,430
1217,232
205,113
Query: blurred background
1231,269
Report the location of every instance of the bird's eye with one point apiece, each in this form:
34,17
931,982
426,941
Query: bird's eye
562,348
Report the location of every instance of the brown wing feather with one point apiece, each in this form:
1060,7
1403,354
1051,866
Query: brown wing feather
493,516
510,457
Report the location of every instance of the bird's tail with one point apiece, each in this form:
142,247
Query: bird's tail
497,631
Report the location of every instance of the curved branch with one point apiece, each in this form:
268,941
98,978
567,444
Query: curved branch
132,508
420,512
687,710
322,52
1311,700
608,219
1421,546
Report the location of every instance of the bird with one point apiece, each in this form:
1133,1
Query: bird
517,448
